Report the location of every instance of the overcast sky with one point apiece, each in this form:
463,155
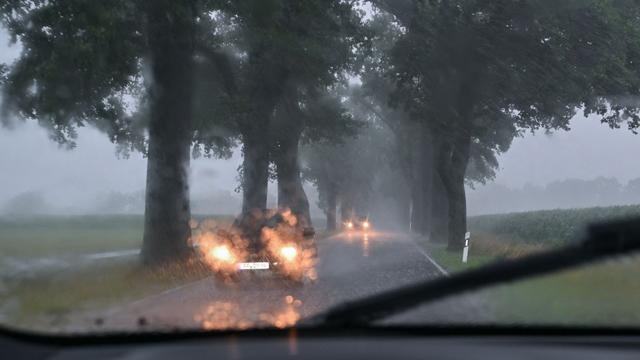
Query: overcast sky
29,161
588,151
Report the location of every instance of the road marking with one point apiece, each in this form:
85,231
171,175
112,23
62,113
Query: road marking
112,254
168,291
431,260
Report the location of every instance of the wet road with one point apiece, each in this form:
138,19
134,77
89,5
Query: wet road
349,266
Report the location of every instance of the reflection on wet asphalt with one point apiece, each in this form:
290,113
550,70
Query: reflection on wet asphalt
349,266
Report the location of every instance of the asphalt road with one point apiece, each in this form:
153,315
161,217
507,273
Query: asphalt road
349,266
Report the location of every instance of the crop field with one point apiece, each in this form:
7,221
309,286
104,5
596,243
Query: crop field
603,294
546,227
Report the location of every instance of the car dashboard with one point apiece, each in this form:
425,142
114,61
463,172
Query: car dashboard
324,345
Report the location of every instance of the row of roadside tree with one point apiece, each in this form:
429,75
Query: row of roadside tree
430,90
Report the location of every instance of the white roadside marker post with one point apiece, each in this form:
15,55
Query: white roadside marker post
465,251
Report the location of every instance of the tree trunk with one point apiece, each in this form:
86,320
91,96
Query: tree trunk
332,203
454,185
264,91
422,181
404,211
414,173
417,207
255,168
460,153
167,210
290,191
346,208
428,168
439,230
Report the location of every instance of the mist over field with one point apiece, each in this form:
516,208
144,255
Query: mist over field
45,178
580,168
588,166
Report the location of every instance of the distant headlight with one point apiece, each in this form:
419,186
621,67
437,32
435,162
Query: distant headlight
350,225
289,252
222,253
365,224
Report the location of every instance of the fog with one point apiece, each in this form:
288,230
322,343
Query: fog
70,179
588,151
39,176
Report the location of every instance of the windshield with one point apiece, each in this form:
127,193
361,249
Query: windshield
238,164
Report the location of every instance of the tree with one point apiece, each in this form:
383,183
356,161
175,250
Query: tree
286,130
328,125
306,116
83,64
466,66
171,35
292,47
343,174
347,168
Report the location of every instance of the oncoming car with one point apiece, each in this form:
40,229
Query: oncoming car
358,223
263,242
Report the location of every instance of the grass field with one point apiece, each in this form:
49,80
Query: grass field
552,227
51,300
605,294
55,280
32,237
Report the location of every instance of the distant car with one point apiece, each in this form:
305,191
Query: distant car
358,223
267,241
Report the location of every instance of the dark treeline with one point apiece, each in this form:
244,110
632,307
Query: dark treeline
401,105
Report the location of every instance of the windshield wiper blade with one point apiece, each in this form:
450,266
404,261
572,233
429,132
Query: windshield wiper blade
602,241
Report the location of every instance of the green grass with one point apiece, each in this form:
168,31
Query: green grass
551,227
599,295
452,261
605,294
52,297
46,236
68,235
483,250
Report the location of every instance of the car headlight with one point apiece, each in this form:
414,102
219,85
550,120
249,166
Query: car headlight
365,224
350,225
222,253
289,252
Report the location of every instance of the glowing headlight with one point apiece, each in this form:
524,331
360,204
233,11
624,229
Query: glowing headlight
222,253
350,225
289,252
365,224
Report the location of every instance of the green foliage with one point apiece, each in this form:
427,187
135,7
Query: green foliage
491,70
552,227
383,99
86,63
328,117
536,61
79,60
285,43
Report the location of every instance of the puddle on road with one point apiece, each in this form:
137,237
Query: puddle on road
222,315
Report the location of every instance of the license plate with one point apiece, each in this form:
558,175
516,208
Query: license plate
253,266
